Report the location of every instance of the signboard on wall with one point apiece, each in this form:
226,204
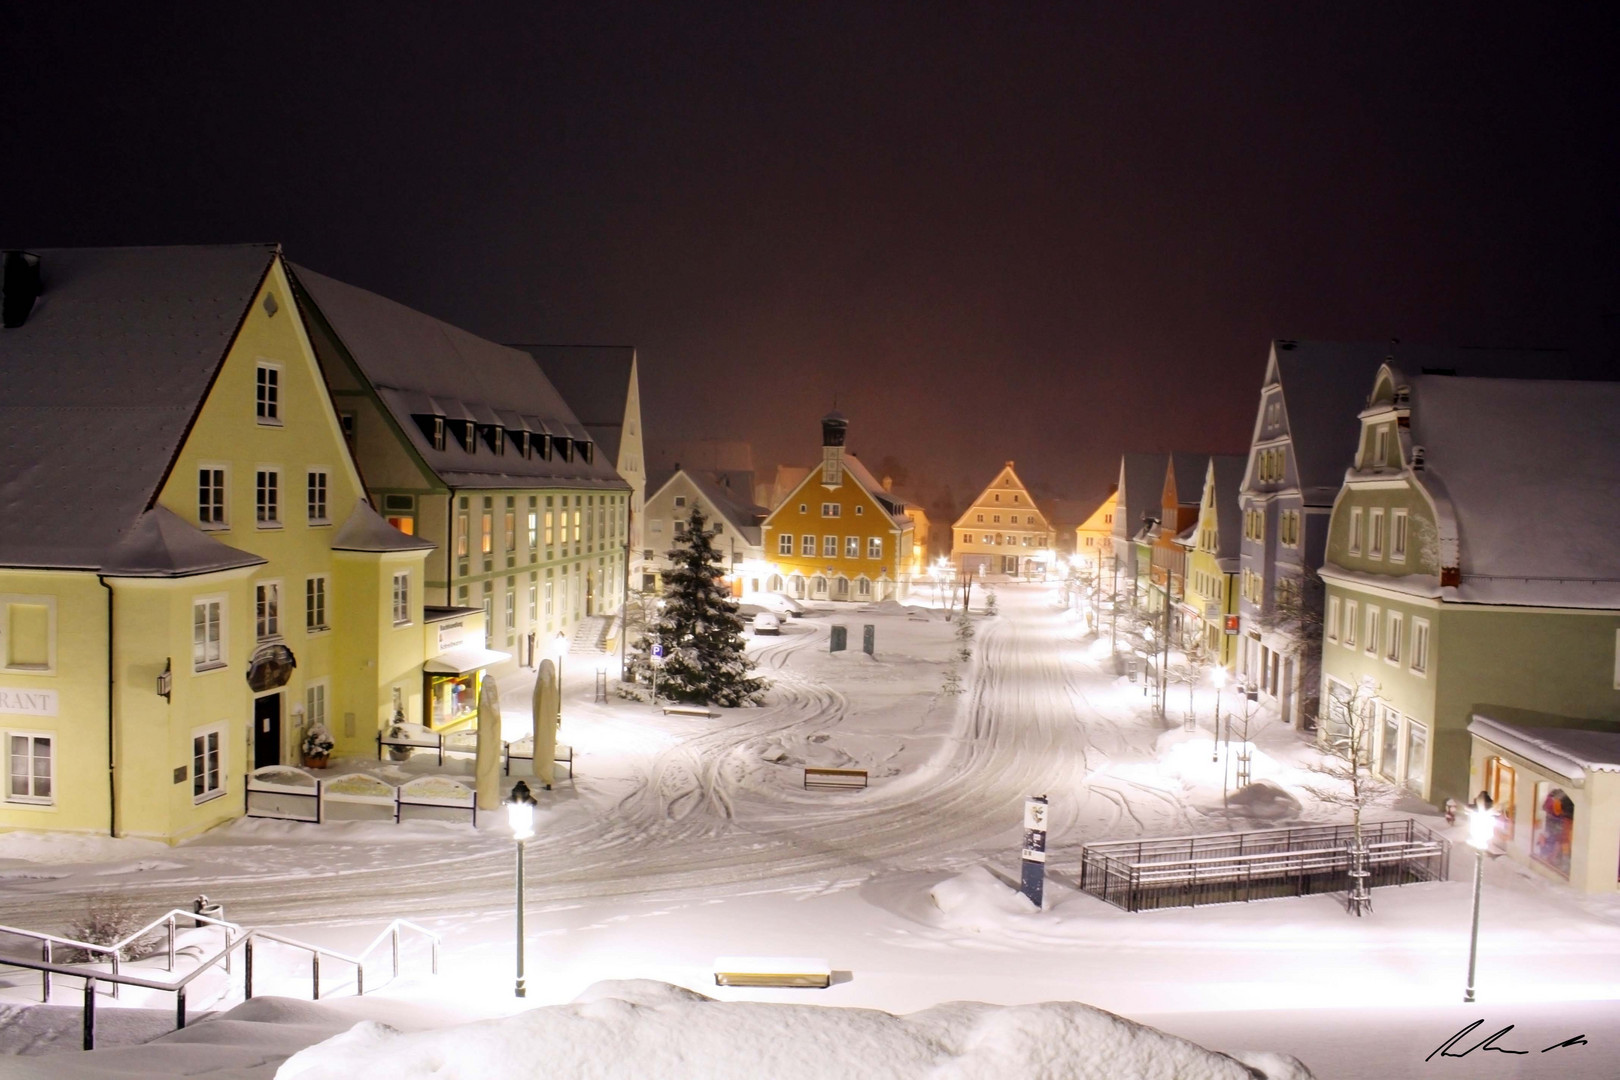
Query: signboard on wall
452,634
1231,624
17,702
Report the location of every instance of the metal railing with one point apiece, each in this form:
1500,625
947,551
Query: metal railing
114,952
243,939
1221,868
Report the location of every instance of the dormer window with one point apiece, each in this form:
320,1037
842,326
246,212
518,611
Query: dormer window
469,436
496,438
432,428
587,450
1381,446
524,447
565,448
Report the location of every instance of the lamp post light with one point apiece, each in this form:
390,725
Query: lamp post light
1481,827
1219,678
520,815
560,644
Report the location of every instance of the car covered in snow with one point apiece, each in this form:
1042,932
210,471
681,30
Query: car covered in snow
767,623
782,605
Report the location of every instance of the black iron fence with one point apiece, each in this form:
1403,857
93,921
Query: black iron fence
1223,868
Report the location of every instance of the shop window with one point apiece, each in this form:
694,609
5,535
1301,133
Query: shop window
1501,784
452,699
1389,744
1417,756
1553,829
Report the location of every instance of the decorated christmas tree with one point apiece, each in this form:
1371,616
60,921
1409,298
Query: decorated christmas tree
698,628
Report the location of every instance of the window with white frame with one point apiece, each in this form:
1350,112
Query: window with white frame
267,609
784,544
680,501
1355,530
874,547
1375,533
1420,645
852,547
211,498
267,393
402,599
1397,535
315,705
1371,643
30,767
316,501
208,633
831,509
829,547
1392,644
1381,446
511,612
208,763
967,538
267,498
1349,624
315,603
807,545
534,604
1332,621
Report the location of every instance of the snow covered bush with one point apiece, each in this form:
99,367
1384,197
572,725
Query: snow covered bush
318,741
698,626
990,601
107,919
953,682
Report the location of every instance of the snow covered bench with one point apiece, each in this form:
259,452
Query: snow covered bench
772,971
688,710
523,750
834,778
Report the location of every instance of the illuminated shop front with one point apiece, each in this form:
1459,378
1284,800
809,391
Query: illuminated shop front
451,678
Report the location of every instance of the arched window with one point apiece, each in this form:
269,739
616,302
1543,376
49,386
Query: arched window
818,586
773,583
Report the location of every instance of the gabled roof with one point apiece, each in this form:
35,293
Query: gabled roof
1531,470
595,381
1188,468
1141,489
1227,474
1326,383
734,506
893,506
100,385
418,364
995,484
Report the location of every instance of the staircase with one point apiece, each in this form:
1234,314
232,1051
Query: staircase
588,635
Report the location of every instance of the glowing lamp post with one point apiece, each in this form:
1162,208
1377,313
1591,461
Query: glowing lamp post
1481,827
520,815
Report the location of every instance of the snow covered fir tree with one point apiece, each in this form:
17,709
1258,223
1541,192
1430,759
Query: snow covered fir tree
699,628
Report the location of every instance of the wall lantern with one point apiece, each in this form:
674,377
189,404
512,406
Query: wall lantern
165,681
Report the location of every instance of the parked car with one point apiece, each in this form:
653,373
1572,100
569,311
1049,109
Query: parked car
784,606
767,623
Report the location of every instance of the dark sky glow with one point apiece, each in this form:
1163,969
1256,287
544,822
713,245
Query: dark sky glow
993,231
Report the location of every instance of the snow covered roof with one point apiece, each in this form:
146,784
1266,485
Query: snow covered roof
367,531
896,508
1326,383
1228,477
1188,468
164,545
416,361
736,507
595,381
100,386
1141,489
1531,469
1569,752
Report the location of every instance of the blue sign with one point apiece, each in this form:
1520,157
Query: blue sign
1032,879
658,650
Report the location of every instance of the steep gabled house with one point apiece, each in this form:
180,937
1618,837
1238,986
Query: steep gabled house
1002,531
726,500
1209,602
190,573
838,535
1471,569
1094,536
1138,498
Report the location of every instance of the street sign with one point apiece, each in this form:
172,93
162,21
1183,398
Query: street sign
658,650
1231,624
1032,879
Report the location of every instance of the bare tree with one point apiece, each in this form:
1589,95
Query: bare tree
1296,613
1346,733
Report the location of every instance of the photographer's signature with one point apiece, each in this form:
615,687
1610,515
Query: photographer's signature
1449,1048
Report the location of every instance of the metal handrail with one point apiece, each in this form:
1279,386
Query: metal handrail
114,951
245,941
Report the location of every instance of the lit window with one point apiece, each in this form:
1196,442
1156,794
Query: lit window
831,510
852,547
874,547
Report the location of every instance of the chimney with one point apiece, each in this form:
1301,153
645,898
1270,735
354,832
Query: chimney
19,287
833,429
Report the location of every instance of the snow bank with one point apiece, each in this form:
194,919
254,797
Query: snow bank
653,1029
63,847
978,901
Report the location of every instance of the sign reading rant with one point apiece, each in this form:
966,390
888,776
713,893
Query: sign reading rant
27,702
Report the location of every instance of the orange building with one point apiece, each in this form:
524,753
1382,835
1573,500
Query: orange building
838,535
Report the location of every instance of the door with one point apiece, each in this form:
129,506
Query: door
267,731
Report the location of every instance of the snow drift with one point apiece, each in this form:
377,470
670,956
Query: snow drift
642,1028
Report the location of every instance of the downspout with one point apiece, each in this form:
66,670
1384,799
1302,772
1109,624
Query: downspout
112,761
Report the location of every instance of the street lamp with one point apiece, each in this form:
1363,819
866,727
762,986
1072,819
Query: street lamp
1219,678
520,815
1481,827
560,644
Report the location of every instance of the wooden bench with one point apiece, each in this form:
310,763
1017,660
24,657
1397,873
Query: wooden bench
772,971
688,710
562,755
834,778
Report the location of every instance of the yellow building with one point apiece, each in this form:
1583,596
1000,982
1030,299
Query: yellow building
1003,532
1209,597
190,574
1094,537
838,535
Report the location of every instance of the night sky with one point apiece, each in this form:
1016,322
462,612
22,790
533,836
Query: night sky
993,232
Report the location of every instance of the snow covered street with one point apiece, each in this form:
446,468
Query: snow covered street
686,838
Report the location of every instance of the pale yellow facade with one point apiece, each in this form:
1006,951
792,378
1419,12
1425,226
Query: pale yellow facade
1003,531
1094,537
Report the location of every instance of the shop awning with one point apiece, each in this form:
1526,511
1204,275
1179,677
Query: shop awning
461,661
